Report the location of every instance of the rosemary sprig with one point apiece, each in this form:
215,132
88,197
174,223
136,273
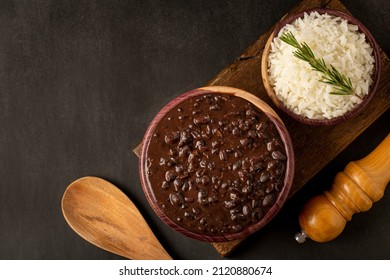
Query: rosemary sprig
341,84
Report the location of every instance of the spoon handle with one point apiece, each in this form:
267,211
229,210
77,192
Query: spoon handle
354,190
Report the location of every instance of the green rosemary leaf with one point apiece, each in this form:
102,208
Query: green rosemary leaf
290,39
341,84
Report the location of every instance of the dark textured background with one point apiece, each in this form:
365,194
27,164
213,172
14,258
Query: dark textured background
81,80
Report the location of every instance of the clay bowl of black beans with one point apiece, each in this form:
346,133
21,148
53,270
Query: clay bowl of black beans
216,164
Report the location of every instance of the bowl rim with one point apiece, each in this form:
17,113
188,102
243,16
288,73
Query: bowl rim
288,179
349,114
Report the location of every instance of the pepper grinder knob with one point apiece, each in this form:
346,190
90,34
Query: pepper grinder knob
300,237
354,190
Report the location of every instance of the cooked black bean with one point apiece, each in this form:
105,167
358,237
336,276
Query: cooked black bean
237,228
218,156
260,193
269,200
252,133
237,165
173,152
270,146
215,144
248,124
205,180
162,161
202,193
215,107
191,157
200,172
172,137
257,214
254,203
238,217
179,169
236,131
257,166
176,199
185,137
165,185
229,204
203,163
185,187
262,135
222,155
245,164
170,175
208,130
245,141
191,167
171,162
272,164
264,176
177,183
182,117
241,174
188,215
195,134
270,188
202,119
237,154
278,155
203,149
247,189
246,210
204,201
251,113
234,196
211,165
199,143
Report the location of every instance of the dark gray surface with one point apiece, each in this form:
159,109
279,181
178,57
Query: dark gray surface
81,80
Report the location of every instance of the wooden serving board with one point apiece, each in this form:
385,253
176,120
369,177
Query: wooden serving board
314,147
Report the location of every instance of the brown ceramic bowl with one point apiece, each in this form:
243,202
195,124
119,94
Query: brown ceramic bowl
321,122
286,182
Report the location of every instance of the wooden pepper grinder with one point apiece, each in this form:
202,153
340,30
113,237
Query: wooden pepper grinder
354,190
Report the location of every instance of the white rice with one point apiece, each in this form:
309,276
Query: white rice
339,43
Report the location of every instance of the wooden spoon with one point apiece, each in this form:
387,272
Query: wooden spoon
104,216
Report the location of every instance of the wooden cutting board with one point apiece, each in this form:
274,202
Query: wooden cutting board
314,147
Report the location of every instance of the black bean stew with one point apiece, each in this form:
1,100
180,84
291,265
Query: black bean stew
215,164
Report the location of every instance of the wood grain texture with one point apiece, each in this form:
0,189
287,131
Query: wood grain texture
314,147
245,73
327,142
104,216
354,190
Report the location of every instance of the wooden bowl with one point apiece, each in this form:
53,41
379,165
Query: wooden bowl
321,122
286,141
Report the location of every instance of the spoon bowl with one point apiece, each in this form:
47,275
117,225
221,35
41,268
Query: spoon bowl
104,216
